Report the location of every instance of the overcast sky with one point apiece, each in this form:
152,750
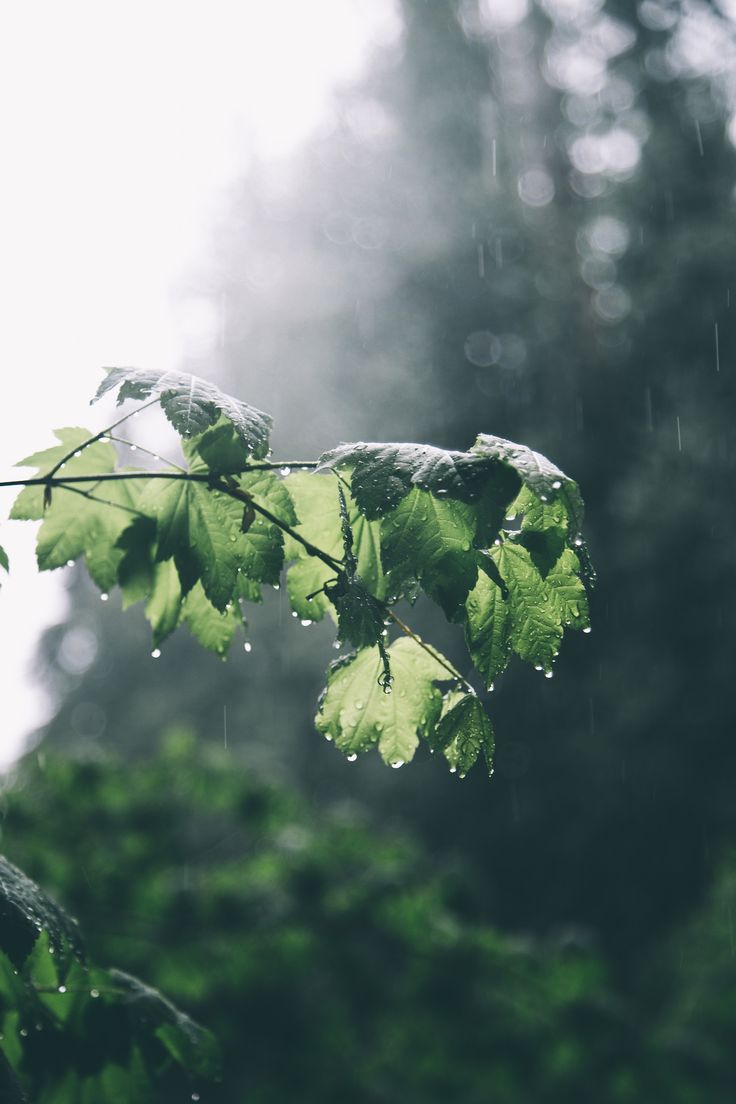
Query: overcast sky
121,126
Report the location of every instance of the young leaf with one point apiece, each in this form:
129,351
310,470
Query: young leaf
136,569
191,404
4,562
431,539
356,713
383,474
359,616
535,627
487,628
463,731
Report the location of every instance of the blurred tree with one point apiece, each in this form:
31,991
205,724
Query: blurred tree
329,957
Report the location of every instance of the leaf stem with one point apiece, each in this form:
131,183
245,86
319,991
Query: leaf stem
97,436
430,650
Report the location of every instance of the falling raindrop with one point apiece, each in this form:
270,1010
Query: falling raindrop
294,613
156,653
276,586
62,988
248,647
104,597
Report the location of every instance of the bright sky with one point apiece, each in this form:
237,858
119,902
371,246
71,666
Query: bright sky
121,123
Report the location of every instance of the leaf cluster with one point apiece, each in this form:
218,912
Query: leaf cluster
492,535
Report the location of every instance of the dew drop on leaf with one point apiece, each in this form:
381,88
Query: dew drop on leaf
556,485
286,470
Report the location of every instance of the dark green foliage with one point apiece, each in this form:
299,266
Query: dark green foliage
72,1032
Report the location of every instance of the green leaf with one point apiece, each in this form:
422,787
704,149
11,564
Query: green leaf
219,450
213,629
191,404
431,539
568,590
164,605
383,474
97,458
4,562
318,509
535,627
463,731
136,569
25,910
148,1012
487,628
538,473
200,530
356,713
261,547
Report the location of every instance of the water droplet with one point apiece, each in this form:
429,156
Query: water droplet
352,757
62,988
497,543
466,546
548,674
233,538
396,763
378,726
70,563
248,646
156,653
543,498
94,993
328,738
587,629
104,597
358,705
294,613
195,1096
337,644
286,470
556,485
78,452
276,586
39,1027
133,448
24,1032
388,688
578,542
305,622
453,770
537,666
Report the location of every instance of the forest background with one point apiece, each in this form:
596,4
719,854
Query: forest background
521,222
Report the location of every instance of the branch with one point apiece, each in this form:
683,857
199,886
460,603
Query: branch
98,436
429,650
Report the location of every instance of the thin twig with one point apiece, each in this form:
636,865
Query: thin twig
148,452
430,650
98,436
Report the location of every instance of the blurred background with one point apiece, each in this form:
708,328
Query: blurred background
500,216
